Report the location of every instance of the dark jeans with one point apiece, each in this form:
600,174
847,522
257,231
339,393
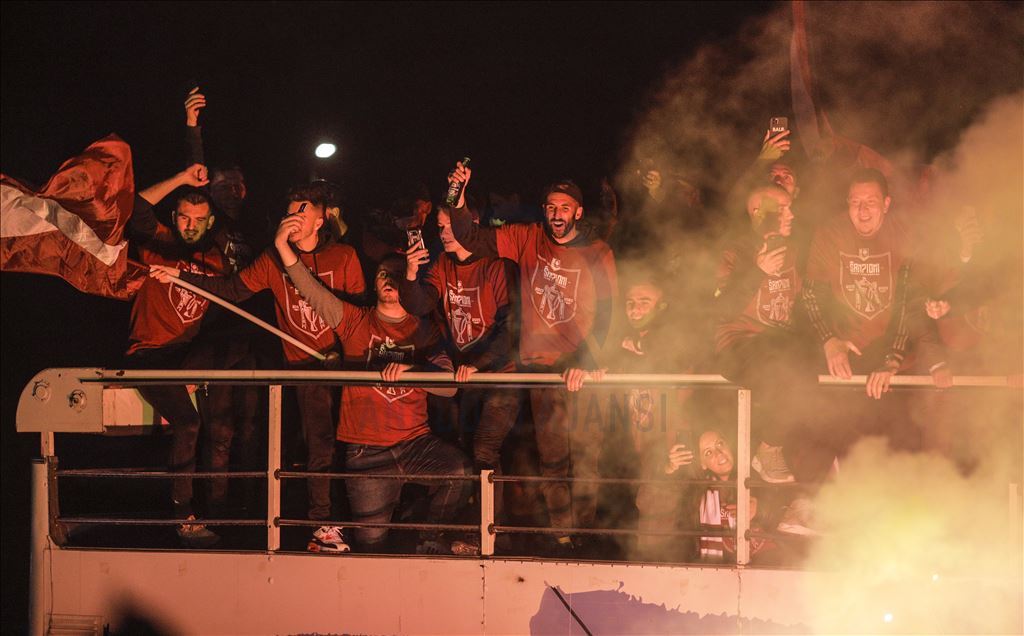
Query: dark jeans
781,371
317,412
174,404
229,414
565,443
488,415
373,500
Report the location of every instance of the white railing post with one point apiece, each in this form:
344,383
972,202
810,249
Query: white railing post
39,600
273,466
742,474
486,513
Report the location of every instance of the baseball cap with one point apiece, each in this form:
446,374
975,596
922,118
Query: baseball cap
567,187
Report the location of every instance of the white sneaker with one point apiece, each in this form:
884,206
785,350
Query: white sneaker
328,539
771,465
799,518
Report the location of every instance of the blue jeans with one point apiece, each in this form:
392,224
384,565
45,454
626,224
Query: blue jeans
373,500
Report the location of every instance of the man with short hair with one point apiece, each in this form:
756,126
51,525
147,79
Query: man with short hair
855,295
165,318
385,427
338,267
567,286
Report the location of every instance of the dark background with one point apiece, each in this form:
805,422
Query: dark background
531,91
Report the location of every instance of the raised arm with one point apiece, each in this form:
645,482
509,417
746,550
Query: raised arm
143,222
319,297
482,241
194,102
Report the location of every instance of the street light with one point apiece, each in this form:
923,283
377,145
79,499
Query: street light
325,150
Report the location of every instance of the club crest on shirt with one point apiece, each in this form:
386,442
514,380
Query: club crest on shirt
866,280
775,299
554,291
379,354
188,305
465,315
300,313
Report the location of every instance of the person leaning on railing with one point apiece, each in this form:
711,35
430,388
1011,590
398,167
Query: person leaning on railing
385,427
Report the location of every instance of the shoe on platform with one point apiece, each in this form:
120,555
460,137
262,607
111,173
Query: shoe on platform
196,535
328,539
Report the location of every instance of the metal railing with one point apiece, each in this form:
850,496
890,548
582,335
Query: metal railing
487,527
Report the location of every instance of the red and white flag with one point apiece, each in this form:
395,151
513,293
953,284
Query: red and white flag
74,226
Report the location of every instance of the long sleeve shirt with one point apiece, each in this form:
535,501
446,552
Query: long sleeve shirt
376,415
567,290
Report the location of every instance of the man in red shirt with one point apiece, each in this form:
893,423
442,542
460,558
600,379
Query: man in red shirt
567,285
855,295
474,296
165,318
385,427
337,266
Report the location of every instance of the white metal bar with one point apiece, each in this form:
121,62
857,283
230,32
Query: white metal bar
742,474
114,376
486,512
273,466
39,592
253,319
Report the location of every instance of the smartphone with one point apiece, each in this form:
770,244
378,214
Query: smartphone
777,125
415,236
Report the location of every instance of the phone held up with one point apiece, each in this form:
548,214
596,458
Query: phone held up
415,236
777,125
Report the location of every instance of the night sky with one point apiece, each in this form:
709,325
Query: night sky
531,91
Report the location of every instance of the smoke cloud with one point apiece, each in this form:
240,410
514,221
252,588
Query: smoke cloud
924,84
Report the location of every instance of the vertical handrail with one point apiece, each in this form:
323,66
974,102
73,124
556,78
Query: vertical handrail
486,513
742,474
273,468
39,571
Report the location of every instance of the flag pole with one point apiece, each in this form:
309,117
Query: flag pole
241,312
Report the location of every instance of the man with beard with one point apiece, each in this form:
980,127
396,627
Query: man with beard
659,438
567,286
338,267
165,318
756,343
384,428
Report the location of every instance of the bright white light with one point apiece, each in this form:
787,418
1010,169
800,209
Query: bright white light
935,578
325,150
887,618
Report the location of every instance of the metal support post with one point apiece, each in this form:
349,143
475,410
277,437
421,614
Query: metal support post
273,467
486,513
742,475
39,594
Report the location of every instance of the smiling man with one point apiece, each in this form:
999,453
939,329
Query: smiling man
567,285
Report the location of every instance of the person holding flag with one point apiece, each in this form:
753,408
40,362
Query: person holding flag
165,318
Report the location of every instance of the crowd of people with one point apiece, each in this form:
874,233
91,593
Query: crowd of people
770,291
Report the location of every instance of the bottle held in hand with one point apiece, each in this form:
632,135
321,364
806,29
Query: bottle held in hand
455,187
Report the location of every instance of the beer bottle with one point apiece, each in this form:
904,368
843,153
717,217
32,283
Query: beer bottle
455,187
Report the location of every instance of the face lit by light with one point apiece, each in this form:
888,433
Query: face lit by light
715,454
444,226
782,176
386,283
192,220
642,304
312,219
867,207
561,212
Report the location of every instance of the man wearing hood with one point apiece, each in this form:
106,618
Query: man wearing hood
337,266
567,286
474,296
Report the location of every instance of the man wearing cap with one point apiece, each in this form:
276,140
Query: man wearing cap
338,267
567,286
